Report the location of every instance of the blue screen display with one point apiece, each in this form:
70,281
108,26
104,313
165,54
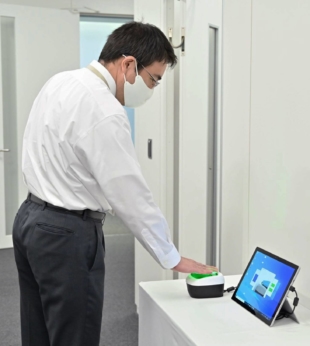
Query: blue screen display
264,284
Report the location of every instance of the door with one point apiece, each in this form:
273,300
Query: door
151,146
8,142
35,43
200,109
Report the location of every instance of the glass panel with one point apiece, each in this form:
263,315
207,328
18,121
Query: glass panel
9,119
94,32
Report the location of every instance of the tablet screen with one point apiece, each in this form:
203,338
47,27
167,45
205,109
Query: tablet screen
264,284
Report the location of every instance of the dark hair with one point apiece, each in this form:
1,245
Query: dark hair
145,42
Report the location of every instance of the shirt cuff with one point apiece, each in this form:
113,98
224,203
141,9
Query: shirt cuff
172,259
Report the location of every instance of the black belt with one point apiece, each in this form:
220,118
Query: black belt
85,213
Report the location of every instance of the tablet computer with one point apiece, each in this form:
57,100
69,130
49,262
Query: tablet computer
265,285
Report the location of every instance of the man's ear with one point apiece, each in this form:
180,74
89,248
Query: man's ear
128,63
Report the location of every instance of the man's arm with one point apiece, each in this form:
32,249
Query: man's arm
108,154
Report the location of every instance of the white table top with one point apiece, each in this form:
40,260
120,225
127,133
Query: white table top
218,321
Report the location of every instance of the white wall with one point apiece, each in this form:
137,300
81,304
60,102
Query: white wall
279,218
124,7
266,180
235,135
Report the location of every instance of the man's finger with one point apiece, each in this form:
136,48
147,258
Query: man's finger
205,268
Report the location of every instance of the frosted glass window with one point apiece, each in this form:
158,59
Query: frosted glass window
94,32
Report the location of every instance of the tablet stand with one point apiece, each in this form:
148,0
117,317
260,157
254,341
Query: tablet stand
286,308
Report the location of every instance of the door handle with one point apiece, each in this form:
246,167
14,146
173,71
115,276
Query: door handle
149,149
4,150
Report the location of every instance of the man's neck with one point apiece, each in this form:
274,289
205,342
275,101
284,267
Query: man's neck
111,67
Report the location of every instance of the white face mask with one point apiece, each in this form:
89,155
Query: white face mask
138,93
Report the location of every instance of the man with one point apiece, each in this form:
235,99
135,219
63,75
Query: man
78,163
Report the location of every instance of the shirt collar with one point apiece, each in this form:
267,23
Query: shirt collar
106,74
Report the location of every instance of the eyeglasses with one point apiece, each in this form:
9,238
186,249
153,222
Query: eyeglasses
155,82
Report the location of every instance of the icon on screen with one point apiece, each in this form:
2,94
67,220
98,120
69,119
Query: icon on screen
264,282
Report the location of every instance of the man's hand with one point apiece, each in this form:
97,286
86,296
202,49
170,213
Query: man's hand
187,265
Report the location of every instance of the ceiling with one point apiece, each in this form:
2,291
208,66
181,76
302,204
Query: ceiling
124,7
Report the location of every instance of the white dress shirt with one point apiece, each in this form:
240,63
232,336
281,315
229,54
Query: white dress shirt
78,154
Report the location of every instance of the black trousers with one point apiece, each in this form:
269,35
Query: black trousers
60,262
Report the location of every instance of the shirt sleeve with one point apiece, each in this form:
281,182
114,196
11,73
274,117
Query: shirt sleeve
107,152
